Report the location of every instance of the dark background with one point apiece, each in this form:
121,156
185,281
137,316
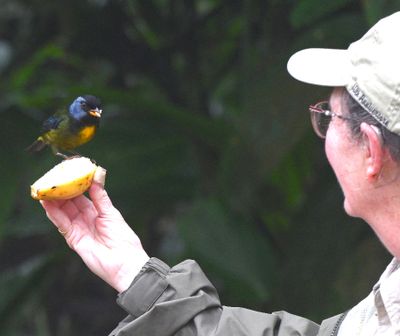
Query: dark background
208,146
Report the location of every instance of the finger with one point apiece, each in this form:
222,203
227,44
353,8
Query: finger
70,209
86,208
67,206
57,203
100,199
100,176
56,215
84,204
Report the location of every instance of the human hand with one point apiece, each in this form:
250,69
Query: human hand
96,230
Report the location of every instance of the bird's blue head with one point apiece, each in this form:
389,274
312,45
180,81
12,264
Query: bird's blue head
85,106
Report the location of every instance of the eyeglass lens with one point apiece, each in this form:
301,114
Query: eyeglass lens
320,121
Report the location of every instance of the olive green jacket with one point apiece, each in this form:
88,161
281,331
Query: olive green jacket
181,301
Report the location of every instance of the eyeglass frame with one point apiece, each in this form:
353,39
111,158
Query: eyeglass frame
327,112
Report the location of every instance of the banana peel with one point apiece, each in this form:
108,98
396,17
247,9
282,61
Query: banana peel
68,179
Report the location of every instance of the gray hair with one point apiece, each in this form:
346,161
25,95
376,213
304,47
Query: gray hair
358,115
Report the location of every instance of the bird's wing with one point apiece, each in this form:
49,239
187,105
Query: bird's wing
53,122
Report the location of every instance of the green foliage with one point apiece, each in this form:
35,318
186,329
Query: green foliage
307,12
207,145
231,248
374,10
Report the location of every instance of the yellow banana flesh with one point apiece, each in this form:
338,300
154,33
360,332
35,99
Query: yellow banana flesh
68,179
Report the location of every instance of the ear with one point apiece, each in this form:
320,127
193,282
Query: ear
374,152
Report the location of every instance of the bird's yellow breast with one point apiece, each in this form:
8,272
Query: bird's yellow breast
66,140
87,133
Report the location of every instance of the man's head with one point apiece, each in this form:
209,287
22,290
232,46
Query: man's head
361,122
369,70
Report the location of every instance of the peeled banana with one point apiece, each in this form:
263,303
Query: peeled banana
68,179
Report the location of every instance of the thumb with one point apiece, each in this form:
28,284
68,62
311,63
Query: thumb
98,194
100,199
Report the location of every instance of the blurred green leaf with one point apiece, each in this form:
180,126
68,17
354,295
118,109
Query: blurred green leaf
376,10
230,247
16,285
26,73
311,11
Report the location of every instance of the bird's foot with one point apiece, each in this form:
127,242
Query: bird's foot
68,157
62,155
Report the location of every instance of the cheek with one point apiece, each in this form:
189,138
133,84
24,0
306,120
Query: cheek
338,153
344,157
332,148
334,162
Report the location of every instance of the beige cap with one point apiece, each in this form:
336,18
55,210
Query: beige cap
369,69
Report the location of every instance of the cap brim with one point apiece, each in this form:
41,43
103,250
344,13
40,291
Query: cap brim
326,67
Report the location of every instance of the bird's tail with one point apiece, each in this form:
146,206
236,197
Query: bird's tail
36,146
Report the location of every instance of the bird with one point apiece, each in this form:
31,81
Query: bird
70,128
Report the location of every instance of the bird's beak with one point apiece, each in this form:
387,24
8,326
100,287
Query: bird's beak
95,113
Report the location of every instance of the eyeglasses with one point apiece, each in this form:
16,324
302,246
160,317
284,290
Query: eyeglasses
321,116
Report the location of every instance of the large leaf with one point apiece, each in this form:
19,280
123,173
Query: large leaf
231,249
375,10
20,283
309,11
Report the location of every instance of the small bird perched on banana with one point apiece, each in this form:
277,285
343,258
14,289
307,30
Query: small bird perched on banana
68,129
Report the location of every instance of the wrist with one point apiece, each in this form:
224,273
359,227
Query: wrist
126,275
